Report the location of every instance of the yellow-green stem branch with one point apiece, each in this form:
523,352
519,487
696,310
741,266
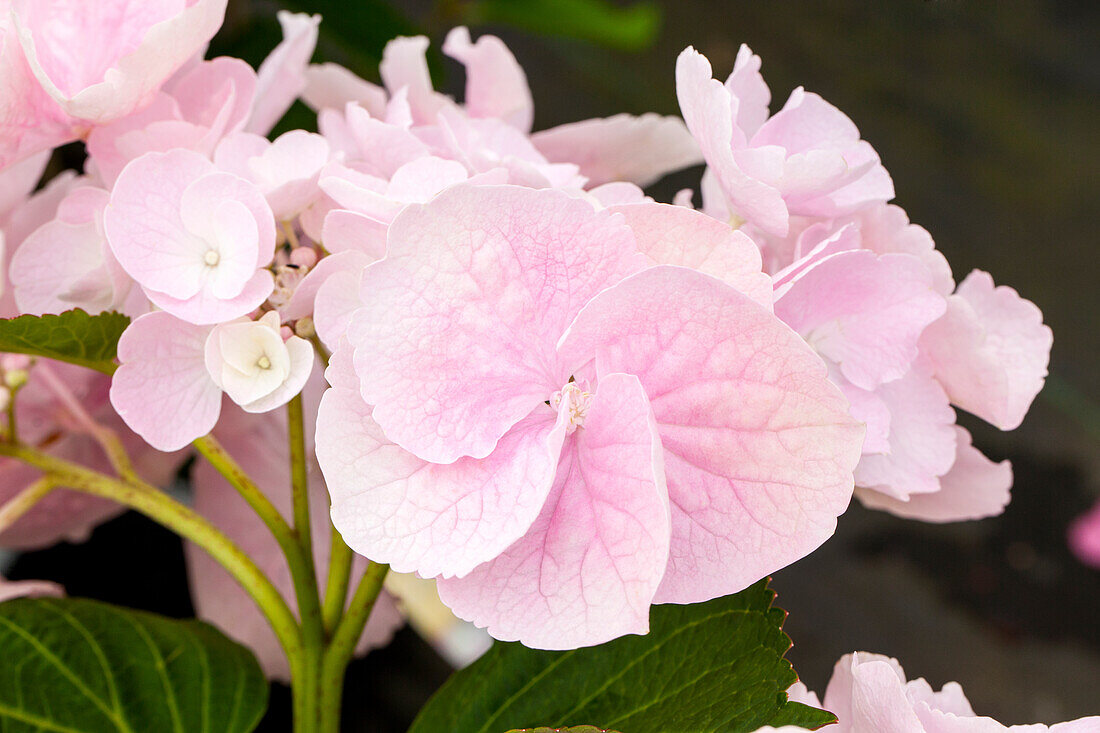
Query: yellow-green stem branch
164,510
336,589
342,646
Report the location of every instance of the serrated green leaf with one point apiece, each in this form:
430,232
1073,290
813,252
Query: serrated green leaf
87,667
575,729
804,716
630,28
73,336
715,666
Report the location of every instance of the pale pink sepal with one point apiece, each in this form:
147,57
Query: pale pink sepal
990,351
587,569
162,389
759,446
623,147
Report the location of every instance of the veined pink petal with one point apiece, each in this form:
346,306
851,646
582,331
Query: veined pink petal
282,75
336,300
301,302
759,446
495,83
428,518
587,570
163,373
673,235
974,488
863,311
455,341
990,351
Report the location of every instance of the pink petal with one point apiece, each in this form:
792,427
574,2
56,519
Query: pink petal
673,235
347,231
10,590
429,518
337,299
163,373
205,309
974,488
485,279
301,303
103,63
990,351
922,437
217,94
588,568
885,228
705,104
18,181
495,83
146,230
281,77
863,311
404,66
217,597
749,92
331,86
624,147
759,446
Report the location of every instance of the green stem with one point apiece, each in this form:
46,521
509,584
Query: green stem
342,646
336,589
305,668
306,693
164,510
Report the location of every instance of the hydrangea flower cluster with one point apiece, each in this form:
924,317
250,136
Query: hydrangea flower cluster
869,693
563,400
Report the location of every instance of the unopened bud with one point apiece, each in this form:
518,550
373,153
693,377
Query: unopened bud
304,328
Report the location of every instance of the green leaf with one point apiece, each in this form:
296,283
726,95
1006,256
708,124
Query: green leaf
82,666
73,336
715,666
631,28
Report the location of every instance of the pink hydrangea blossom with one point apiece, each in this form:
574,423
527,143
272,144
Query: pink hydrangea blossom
281,77
869,693
173,367
195,239
66,65
464,439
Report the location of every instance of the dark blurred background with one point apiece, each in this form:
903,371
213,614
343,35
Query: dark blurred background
986,115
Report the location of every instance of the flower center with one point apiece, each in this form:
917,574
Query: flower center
263,362
211,257
573,401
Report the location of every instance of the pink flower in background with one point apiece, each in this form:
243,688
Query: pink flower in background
1084,537
870,694
67,65
196,239
648,429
